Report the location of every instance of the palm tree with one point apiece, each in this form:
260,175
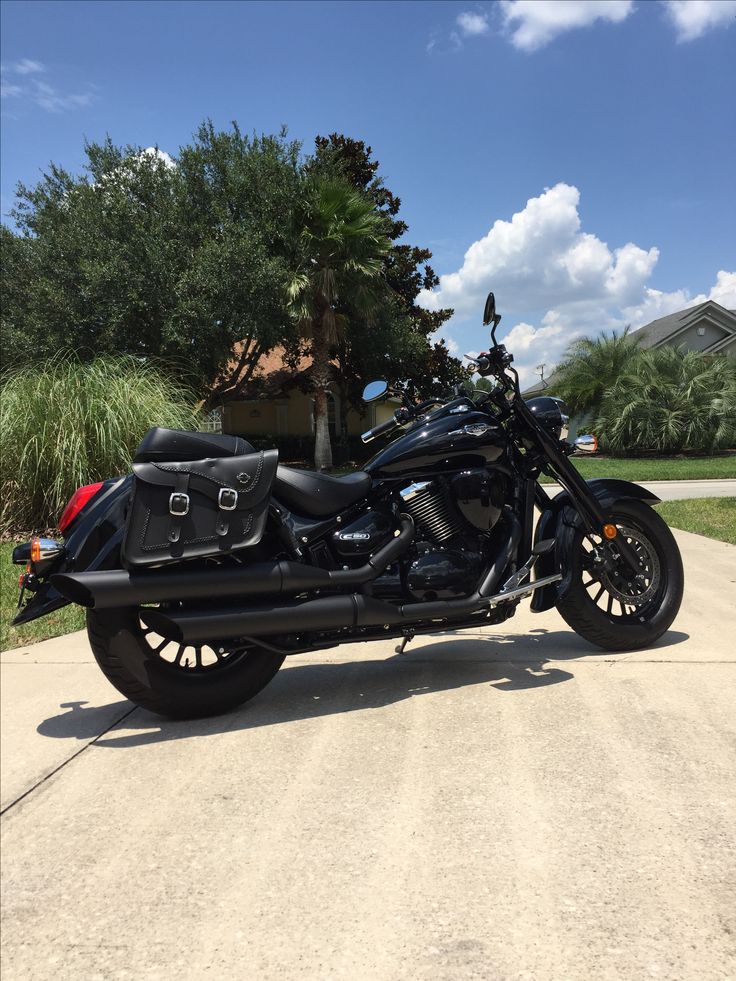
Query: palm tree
671,400
341,247
590,366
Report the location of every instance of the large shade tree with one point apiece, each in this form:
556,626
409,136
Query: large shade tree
342,245
140,254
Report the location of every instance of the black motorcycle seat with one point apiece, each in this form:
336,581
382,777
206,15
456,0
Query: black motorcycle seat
318,494
161,445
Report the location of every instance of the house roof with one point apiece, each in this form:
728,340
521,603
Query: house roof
659,331
276,373
274,361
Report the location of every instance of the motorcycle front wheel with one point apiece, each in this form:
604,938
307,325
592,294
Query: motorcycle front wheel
175,680
619,613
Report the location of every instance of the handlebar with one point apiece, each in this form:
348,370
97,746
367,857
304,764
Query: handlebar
384,427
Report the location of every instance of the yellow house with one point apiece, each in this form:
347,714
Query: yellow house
281,406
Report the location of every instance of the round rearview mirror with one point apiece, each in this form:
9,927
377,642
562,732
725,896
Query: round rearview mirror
490,309
375,390
586,444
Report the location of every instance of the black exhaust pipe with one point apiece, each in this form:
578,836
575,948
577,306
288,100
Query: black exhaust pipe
118,588
205,625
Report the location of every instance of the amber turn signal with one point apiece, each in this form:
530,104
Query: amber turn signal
35,549
610,531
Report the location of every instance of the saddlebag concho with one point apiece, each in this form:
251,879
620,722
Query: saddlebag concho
197,508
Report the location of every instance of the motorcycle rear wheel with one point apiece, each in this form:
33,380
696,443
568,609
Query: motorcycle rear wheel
171,679
616,615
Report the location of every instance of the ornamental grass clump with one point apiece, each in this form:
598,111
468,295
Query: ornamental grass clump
71,423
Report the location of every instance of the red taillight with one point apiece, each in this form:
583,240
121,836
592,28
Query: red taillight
79,500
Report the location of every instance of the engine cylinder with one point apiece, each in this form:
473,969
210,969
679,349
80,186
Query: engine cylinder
427,504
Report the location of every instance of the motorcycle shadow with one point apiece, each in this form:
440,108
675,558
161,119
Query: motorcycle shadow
307,690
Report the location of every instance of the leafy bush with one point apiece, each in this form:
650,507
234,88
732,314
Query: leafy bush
589,366
68,424
668,400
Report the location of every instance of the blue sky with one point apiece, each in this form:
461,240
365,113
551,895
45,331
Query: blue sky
606,128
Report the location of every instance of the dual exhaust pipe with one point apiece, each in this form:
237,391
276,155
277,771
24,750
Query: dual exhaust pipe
205,625
208,624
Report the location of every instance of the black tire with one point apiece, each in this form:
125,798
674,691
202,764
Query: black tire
139,670
652,611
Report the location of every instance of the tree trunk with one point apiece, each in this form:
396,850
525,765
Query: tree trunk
321,381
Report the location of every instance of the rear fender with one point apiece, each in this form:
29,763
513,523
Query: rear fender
94,543
560,521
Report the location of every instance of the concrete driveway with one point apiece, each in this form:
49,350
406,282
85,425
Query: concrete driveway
496,806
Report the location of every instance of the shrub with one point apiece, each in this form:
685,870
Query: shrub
670,400
67,424
589,366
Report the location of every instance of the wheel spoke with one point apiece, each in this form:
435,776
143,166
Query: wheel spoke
609,608
599,594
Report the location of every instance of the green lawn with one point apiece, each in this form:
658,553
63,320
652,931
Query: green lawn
714,517
657,468
54,625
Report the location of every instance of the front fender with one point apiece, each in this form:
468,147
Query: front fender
560,519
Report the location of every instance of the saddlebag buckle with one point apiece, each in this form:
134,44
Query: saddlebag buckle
227,499
179,505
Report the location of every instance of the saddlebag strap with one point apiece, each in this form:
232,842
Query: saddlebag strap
178,506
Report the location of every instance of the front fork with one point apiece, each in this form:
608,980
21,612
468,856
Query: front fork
594,518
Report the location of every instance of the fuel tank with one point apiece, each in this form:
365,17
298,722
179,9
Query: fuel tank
452,437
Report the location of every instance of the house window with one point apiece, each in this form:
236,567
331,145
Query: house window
212,422
701,332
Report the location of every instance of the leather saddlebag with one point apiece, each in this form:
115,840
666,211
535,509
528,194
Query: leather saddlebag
197,508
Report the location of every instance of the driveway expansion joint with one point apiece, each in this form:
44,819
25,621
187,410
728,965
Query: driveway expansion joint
66,762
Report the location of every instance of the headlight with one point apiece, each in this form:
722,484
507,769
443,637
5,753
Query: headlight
552,413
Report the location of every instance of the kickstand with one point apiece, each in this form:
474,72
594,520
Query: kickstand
407,638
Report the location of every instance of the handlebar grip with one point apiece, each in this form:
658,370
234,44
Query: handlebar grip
384,427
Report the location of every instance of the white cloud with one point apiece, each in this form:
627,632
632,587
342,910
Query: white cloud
27,67
655,303
158,154
692,18
36,92
10,91
48,98
541,259
472,24
724,292
558,282
534,23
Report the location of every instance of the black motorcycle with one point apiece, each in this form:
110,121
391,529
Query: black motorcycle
211,563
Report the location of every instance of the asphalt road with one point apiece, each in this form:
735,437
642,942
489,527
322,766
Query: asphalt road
678,490
507,805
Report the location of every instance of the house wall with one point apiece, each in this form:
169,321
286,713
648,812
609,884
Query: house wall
292,416
693,341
